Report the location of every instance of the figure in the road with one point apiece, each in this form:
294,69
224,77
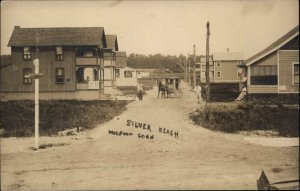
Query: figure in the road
163,88
140,91
197,89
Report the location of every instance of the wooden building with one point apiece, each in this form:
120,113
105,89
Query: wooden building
275,70
75,61
223,67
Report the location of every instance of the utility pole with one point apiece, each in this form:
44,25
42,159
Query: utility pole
189,69
185,62
194,66
207,64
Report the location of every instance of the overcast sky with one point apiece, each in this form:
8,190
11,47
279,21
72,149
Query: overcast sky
166,27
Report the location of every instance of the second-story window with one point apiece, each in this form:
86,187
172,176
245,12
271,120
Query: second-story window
26,53
59,53
59,75
26,75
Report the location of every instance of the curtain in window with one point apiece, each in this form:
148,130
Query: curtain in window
263,70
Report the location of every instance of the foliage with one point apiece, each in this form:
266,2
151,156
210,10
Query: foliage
245,117
17,117
173,63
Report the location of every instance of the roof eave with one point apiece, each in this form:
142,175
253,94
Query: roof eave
272,50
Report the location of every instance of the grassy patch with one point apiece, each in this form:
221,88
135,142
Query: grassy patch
17,117
246,117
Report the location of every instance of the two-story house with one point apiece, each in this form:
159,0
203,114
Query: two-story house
75,61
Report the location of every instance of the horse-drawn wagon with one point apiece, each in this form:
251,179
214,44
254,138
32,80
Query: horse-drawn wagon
169,87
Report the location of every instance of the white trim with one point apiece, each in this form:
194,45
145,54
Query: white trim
226,80
293,70
248,76
272,50
288,92
288,50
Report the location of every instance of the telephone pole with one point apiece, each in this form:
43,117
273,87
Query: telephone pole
207,64
189,69
185,70
194,66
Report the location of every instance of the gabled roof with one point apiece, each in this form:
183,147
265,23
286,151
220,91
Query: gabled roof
274,46
112,42
58,36
120,59
226,56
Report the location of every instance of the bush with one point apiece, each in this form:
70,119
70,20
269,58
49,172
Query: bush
245,117
17,117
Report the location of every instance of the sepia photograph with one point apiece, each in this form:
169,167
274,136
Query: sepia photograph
149,95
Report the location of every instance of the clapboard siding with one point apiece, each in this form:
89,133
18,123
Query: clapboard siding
267,61
14,76
262,89
228,71
286,59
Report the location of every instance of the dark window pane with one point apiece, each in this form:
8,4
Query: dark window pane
264,80
60,75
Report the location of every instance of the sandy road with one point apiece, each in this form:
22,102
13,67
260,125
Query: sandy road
197,159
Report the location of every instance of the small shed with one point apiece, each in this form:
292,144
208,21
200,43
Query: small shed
173,82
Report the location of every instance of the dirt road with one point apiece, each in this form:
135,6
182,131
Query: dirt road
103,159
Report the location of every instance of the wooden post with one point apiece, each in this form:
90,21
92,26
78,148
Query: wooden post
185,70
36,104
189,69
207,64
194,66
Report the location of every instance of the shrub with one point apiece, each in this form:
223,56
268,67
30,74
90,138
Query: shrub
245,117
17,117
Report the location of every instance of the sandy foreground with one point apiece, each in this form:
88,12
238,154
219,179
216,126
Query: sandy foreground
102,159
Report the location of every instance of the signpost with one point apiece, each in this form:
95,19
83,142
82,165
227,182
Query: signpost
36,76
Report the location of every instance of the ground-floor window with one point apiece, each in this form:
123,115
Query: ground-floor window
86,74
128,74
59,75
117,73
264,75
26,76
296,73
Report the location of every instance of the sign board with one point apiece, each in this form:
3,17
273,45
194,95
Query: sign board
93,85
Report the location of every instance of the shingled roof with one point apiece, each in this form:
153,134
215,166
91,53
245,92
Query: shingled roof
112,42
120,59
274,46
69,36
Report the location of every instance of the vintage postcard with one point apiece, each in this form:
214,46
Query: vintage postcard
149,95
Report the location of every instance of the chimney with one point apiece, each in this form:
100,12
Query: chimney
17,27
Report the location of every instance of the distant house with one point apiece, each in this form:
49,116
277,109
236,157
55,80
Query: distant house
144,73
275,70
75,61
128,77
223,67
